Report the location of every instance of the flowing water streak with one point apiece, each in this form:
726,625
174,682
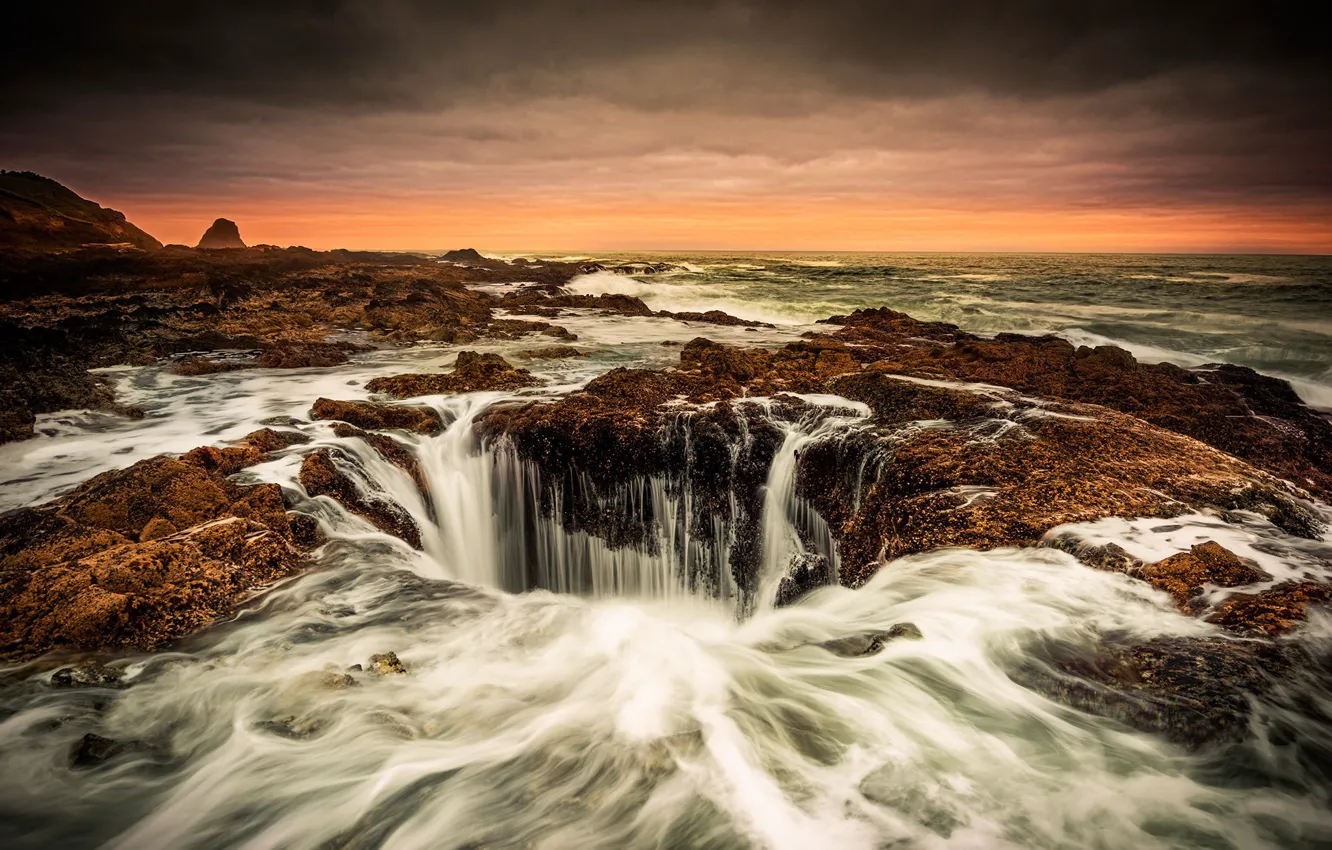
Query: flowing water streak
791,527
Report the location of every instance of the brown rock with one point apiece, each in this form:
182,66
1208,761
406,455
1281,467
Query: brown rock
365,414
125,500
550,352
1233,408
387,664
321,477
194,366
155,529
107,567
223,461
473,372
267,440
303,356
712,317
1271,612
1183,575
142,595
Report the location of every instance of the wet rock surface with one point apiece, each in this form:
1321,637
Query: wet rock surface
1185,574
369,415
1233,408
1193,691
472,372
89,674
321,476
1272,612
64,313
936,464
141,556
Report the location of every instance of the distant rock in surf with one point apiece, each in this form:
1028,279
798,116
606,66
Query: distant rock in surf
223,234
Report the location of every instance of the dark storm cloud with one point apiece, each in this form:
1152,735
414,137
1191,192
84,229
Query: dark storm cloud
402,53
1099,102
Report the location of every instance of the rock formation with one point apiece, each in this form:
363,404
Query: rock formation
223,233
141,556
38,214
463,255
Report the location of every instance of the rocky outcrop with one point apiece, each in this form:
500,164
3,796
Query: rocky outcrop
472,372
222,233
38,214
1233,408
463,255
1271,612
300,355
141,556
63,314
551,352
321,476
935,464
365,414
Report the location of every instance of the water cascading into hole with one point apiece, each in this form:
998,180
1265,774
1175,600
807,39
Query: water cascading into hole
794,535
492,518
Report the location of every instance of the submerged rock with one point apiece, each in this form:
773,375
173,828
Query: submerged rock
390,450
551,352
88,674
857,646
806,573
1193,691
92,750
471,373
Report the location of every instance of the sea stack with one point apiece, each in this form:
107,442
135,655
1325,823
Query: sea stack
223,234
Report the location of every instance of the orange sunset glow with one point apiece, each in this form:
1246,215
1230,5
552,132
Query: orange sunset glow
833,225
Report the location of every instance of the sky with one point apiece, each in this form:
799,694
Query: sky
623,125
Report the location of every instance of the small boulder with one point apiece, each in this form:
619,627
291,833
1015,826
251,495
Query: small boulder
387,664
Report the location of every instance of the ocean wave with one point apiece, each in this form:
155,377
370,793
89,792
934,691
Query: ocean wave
692,298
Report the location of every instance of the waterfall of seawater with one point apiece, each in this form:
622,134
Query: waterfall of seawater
617,701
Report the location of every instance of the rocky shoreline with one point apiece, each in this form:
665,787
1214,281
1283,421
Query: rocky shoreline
957,441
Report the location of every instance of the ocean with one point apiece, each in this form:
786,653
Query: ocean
1272,313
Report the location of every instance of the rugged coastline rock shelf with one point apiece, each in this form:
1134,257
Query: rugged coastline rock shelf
434,542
